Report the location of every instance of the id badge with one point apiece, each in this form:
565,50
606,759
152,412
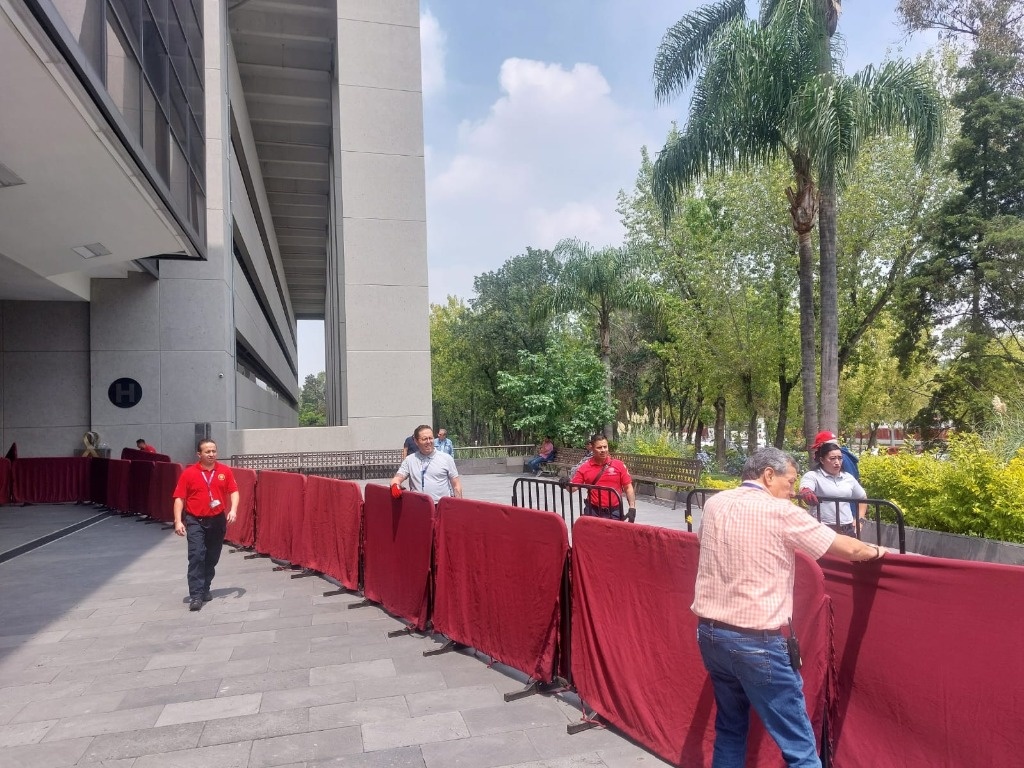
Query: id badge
214,503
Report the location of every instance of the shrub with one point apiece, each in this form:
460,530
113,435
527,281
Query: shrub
649,441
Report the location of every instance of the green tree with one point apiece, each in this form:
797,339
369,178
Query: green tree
313,401
558,392
596,284
768,90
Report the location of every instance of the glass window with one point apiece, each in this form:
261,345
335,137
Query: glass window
154,133
197,212
196,95
179,51
179,177
179,110
123,79
159,8
154,58
196,150
127,13
84,19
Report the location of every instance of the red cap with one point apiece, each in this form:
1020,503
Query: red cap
823,437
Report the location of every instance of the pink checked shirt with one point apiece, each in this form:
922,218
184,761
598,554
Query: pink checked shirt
748,539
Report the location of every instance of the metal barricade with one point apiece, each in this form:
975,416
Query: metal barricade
893,516
567,499
702,494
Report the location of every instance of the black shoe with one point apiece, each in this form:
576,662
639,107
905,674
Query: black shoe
196,604
207,597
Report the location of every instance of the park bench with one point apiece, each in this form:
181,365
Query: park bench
565,460
681,474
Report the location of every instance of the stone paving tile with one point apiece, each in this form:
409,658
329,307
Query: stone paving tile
79,705
104,722
149,741
187,658
242,638
170,694
358,712
103,629
276,622
514,716
357,670
480,751
211,630
39,638
453,699
308,696
259,726
272,681
631,756
403,757
48,755
585,760
16,734
503,679
210,709
389,734
157,647
552,741
416,682
323,658
30,676
224,669
130,680
23,694
329,631
292,648
10,709
221,756
102,669
300,747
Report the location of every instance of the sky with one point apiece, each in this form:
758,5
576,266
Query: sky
535,112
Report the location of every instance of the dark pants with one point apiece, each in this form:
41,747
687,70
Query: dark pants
609,513
847,529
205,536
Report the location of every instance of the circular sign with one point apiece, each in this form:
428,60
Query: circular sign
125,393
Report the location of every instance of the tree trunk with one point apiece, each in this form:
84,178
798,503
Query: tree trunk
752,433
829,412
698,437
785,387
720,431
606,361
803,208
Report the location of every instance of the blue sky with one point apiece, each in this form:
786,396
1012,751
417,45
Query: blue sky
534,115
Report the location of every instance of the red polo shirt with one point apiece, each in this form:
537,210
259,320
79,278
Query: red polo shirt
197,486
615,476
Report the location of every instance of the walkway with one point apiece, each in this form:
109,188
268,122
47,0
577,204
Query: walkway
101,664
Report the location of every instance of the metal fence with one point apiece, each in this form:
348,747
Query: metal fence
566,499
342,465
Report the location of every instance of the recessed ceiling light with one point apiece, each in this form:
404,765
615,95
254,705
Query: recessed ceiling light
91,251
9,178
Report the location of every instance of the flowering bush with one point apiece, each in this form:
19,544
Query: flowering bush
972,492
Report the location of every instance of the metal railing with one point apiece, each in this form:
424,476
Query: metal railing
567,499
492,451
342,465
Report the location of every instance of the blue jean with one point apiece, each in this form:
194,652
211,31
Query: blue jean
748,671
205,537
536,463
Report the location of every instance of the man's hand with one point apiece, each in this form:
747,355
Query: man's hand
396,491
179,527
631,515
807,496
231,516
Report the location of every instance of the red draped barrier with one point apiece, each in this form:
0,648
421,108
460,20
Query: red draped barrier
50,480
279,502
161,491
928,662
99,469
242,532
635,658
140,476
118,479
132,454
5,480
396,561
333,513
498,579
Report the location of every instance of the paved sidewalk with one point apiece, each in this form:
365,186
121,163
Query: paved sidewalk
102,664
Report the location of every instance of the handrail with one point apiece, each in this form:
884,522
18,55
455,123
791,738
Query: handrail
567,499
877,505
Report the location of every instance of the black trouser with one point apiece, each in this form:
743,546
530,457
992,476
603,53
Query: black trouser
205,536
609,513
847,529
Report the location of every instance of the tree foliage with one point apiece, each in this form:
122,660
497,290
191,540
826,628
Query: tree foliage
313,401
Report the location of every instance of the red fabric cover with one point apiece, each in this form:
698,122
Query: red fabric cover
161,491
498,579
52,480
928,662
139,479
635,658
5,480
242,532
118,477
132,454
98,471
333,513
279,501
396,562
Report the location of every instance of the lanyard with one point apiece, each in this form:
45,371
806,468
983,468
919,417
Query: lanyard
423,473
209,481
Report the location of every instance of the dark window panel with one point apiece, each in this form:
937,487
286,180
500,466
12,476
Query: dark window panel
154,58
128,13
197,210
124,80
196,95
179,52
84,19
160,11
196,150
179,177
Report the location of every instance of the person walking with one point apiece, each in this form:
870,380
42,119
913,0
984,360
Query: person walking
743,600
205,502
428,470
443,443
605,472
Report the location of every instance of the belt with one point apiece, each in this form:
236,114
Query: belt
740,630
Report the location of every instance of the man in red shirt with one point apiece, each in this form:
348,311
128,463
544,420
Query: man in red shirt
205,491
605,472
142,445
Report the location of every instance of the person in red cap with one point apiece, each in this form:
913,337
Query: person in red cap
849,459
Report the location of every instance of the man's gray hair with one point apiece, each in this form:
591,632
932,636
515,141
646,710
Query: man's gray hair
763,458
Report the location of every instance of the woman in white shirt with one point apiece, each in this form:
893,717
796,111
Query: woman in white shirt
828,479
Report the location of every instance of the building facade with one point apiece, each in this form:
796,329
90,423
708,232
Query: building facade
181,181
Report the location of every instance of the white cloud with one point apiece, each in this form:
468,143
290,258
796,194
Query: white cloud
433,44
546,162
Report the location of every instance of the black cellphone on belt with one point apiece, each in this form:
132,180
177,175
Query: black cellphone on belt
793,646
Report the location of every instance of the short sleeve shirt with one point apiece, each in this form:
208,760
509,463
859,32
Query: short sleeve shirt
614,476
748,544
198,487
843,485
430,474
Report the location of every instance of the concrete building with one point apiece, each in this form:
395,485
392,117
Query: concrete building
180,182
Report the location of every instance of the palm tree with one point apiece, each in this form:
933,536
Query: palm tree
769,89
597,284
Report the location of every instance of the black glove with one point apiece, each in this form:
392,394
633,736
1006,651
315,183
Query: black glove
564,482
631,515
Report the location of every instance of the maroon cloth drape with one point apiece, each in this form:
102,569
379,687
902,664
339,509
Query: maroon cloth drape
928,662
132,454
140,476
5,480
498,578
635,658
118,480
53,480
242,532
99,469
279,502
396,565
161,491
332,517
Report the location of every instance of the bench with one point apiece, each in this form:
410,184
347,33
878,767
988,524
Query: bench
665,470
565,460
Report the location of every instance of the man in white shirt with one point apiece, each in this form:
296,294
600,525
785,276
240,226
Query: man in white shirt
428,470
